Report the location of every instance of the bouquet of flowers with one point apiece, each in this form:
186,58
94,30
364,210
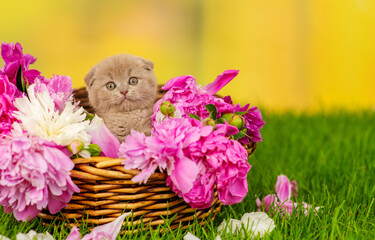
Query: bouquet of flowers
41,128
196,139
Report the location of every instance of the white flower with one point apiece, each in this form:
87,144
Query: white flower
32,235
254,223
39,117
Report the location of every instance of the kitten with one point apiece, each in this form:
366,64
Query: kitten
122,91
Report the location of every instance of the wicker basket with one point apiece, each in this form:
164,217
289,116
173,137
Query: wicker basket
107,191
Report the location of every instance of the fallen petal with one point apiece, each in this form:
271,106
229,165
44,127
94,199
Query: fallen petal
32,235
233,226
74,234
257,224
284,188
3,237
190,236
111,229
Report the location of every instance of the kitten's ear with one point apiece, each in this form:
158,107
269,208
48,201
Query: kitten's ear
148,64
89,78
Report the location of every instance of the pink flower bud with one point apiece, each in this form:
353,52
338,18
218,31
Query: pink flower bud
94,149
234,120
167,109
75,147
209,122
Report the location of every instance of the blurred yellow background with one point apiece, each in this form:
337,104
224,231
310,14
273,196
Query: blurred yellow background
292,54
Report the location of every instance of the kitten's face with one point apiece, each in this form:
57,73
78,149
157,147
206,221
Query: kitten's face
121,83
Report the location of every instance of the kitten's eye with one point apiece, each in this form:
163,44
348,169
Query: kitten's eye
111,85
133,81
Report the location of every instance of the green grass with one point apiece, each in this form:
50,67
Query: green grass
332,157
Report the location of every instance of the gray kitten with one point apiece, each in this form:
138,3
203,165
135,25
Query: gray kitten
122,90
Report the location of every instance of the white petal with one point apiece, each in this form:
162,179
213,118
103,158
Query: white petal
257,223
29,236
3,237
254,216
190,236
32,235
233,226
159,117
218,237
95,123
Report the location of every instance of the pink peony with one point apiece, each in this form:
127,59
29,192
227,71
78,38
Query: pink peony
201,194
58,87
232,183
34,174
14,58
8,92
228,160
221,162
163,150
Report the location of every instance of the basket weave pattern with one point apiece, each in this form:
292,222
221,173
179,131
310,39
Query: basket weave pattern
107,191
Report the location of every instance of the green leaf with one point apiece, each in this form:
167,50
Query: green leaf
20,83
194,116
27,86
240,113
19,80
212,110
74,156
89,116
241,134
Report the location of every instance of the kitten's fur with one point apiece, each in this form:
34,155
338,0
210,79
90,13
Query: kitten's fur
121,114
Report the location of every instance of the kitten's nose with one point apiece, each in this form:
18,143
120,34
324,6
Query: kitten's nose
124,93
